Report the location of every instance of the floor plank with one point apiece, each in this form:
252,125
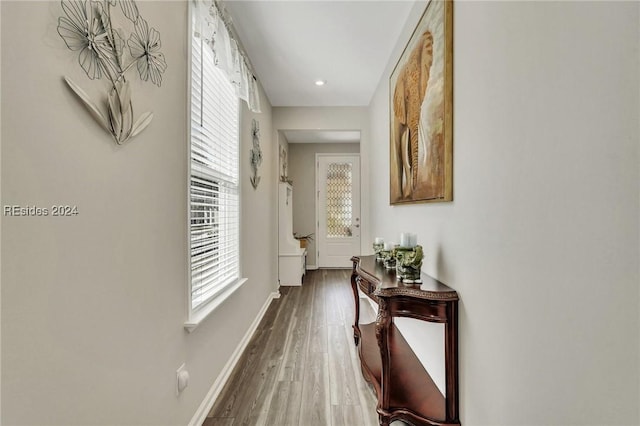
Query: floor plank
296,342
318,332
285,405
315,409
346,415
342,378
219,421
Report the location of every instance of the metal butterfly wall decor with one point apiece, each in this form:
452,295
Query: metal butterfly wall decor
86,28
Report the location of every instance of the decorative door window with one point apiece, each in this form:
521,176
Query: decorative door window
339,196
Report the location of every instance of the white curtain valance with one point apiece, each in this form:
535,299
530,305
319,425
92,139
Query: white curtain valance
209,25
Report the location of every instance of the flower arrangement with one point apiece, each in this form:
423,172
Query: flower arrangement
86,28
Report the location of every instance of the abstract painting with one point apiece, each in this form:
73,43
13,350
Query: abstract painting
421,146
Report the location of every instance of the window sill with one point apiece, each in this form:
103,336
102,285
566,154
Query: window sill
201,314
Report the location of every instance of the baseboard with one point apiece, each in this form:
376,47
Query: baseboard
311,267
201,414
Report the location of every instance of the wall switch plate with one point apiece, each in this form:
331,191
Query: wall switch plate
182,379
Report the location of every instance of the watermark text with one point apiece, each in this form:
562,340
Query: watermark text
36,211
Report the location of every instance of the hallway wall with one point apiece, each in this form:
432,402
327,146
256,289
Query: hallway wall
93,305
542,238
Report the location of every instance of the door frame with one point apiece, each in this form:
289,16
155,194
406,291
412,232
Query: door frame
317,195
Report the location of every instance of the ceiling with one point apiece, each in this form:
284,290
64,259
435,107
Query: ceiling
291,44
321,136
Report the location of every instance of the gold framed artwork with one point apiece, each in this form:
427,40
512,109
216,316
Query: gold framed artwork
421,97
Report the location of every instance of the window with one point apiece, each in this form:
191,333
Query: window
214,183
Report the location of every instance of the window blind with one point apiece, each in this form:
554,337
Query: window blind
214,192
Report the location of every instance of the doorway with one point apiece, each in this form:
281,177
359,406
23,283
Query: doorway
338,209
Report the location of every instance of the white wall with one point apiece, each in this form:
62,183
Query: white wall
541,240
93,306
335,118
302,167
259,242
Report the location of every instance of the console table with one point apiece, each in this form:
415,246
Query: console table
405,390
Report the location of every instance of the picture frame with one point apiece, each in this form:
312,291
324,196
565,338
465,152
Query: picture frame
421,111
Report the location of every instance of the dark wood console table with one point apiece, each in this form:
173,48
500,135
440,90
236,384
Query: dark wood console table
404,388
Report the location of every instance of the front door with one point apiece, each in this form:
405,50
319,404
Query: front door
338,191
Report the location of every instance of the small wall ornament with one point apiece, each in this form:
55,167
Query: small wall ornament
255,155
283,165
103,51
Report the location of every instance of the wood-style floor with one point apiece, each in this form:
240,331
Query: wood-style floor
301,367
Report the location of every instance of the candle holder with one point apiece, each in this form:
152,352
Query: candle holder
377,249
389,258
409,264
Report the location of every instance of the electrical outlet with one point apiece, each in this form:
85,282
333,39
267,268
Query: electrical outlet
182,379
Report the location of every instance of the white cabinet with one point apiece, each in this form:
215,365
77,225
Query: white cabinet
291,258
291,268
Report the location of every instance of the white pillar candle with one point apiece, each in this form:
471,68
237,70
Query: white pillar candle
404,239
378,240
413,240
388,246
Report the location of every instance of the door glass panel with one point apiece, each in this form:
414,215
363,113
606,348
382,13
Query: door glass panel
339,195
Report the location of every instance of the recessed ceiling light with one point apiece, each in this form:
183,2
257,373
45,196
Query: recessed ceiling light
321,82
